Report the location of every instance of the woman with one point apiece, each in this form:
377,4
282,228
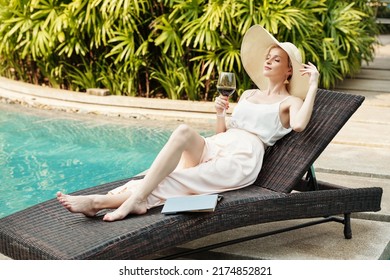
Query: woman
191,164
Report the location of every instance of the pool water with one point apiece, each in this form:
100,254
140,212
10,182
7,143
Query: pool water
42,152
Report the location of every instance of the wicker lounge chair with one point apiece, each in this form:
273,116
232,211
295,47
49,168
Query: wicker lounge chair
47,231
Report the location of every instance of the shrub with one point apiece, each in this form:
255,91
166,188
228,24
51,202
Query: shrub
172,48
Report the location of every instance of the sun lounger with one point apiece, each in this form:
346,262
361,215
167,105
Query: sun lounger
285,189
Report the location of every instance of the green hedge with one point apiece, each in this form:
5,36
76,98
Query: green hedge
172,48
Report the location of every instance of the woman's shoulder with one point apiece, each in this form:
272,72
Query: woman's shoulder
295,99
292,101
248,93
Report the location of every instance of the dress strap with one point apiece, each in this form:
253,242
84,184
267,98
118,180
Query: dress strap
248,93
253,91
284,99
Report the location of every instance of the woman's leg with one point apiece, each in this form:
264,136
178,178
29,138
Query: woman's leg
89,205
184,143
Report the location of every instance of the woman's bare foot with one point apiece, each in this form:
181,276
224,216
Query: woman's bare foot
131,206
78,204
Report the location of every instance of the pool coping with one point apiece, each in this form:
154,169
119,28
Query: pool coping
44,97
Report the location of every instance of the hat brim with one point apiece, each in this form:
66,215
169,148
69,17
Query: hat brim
254,46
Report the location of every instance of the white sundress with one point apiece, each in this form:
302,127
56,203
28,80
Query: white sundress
231,160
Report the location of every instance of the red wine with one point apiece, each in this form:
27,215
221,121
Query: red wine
226,91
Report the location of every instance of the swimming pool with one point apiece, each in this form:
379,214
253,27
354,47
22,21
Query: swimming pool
42,152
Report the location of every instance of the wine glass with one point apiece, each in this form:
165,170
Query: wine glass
226,84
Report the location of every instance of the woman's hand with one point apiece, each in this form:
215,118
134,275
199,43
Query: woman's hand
311,70
221,103
300,113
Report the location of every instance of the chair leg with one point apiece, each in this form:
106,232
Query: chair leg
347,226
312,179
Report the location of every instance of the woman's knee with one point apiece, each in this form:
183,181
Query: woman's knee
182,134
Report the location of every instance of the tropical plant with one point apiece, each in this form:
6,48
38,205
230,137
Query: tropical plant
172,48
350,37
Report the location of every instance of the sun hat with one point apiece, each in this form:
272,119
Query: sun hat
255,44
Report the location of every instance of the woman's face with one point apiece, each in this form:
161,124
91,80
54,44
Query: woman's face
277,64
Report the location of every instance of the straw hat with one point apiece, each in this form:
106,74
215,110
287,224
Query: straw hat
254,46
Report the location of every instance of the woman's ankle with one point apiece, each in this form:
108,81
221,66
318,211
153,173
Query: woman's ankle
98,202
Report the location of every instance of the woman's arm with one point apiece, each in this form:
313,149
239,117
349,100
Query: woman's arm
300,111
221,104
